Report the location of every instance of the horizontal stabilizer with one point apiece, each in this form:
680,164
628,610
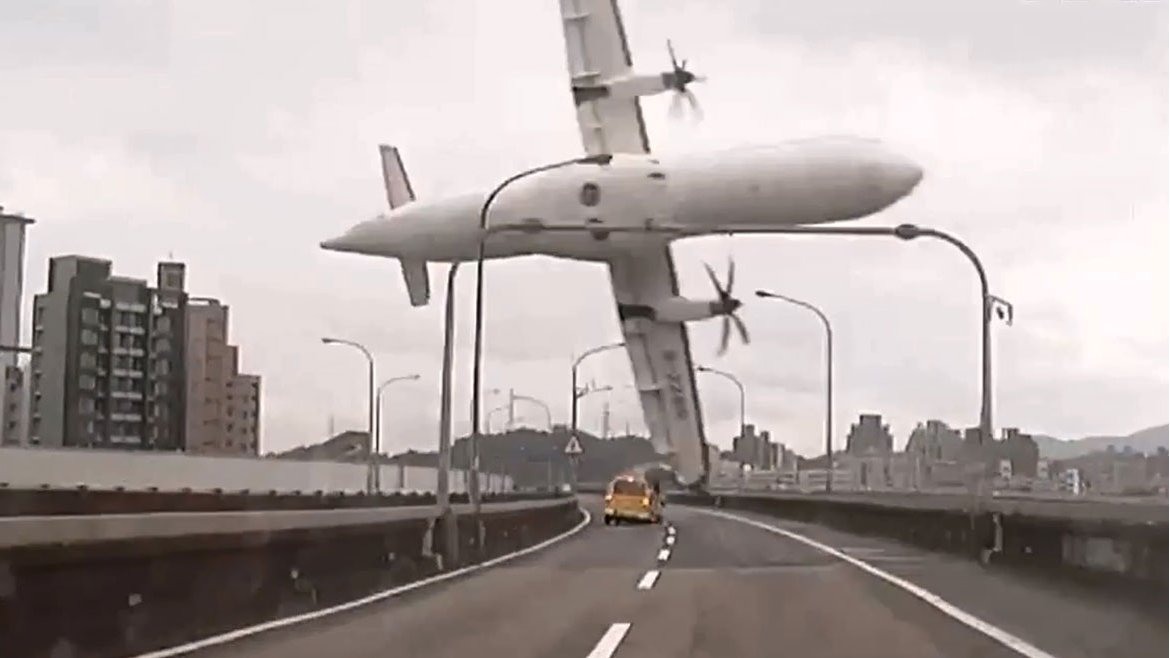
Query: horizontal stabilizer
398,189
418,283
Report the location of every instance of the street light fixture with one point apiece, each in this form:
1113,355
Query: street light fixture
742,395
477,367
378,406
373,476
577,392
828,378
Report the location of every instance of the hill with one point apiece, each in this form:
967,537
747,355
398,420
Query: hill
536,458
1145,441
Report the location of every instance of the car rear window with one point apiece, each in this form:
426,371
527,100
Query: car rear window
628,488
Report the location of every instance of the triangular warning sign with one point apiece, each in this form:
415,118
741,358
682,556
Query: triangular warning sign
573,447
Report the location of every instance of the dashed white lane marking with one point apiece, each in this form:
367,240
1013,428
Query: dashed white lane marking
229,636
971,621
648,579
664,555
670,530
609,642
670,540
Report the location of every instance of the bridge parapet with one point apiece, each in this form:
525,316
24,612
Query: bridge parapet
124,584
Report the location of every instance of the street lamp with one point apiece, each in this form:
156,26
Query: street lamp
378,406
477,367
540,403
372,477
742,395
577,393
828,377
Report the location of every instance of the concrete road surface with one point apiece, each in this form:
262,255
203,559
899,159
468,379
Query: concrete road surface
721,588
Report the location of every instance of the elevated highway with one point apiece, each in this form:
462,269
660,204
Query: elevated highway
722,585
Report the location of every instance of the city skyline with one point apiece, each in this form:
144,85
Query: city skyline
244,194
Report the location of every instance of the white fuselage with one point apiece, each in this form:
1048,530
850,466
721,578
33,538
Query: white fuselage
799,182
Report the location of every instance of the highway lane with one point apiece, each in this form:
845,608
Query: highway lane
724,589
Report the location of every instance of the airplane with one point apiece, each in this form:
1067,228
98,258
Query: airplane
798,182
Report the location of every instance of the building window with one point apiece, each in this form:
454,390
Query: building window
86,382
85,405
89,316
87,360
163,323
88,337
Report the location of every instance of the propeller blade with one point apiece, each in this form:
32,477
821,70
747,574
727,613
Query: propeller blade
743,332
726,339
730,275
676,106
694,102
670,49
714,281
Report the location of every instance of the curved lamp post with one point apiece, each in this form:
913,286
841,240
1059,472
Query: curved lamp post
372,479
378,406
477,367
742,395
828,377
577,392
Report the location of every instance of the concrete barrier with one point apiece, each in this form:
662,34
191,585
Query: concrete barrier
68,468
121,585
84,500
1121,547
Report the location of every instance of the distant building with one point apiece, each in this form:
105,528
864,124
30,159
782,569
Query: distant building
754,449
108,368
13,407
935,441
14,430
869,436
223,405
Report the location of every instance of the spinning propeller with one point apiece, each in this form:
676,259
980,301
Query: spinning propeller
678,79
726,305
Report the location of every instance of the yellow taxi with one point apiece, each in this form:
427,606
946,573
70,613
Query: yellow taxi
632,498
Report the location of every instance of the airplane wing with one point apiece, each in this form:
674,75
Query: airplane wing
596,46
660,353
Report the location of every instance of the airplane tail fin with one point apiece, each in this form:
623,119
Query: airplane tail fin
398,189
398,194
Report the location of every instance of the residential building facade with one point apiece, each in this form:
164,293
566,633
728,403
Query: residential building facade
13,406
108,366
223,405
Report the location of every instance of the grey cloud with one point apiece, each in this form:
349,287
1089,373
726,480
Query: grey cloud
1012,36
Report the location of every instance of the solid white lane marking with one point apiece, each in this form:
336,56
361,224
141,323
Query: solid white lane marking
648,579
664,555
670,541
229,636
609,642
971,621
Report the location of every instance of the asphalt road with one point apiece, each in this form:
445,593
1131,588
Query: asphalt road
727,589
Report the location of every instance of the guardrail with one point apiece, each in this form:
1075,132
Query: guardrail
84,500
118,585
1123,546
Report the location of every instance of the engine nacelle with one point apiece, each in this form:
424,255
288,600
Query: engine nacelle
672,309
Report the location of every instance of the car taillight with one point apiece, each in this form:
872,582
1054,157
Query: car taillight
645,501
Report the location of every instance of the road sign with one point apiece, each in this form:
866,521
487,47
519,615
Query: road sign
573,447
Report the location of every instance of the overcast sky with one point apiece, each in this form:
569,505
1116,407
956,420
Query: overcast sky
237,135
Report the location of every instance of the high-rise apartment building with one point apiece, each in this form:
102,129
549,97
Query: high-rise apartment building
13,401
108,366
869,436
223,406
